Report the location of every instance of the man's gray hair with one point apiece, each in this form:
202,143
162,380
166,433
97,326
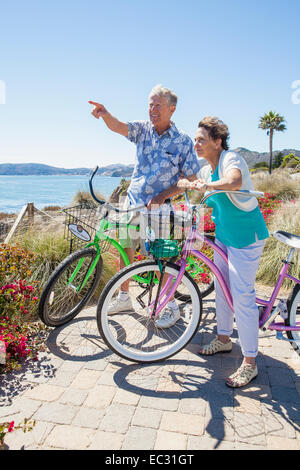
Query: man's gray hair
163,92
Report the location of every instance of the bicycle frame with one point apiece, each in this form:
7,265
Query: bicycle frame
266,320
104,226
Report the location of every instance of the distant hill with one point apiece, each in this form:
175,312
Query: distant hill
256,157
39,169
118,169
27,169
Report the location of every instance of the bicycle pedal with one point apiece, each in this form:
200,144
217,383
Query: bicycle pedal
280,336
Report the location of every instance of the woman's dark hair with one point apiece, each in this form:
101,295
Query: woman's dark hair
216,129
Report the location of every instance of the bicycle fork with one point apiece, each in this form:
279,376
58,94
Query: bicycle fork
89,271
149,289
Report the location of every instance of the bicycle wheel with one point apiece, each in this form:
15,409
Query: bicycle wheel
60,301
200,272
133,334
293,305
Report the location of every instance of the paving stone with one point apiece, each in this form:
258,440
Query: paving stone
280,443
182,423
249,428
277,424
56,413
207,443
117,418
167,440
103,440
22,407
138,438
45,392
100,396
193,405
88,417
149,416
69,437
245,404
285,394
126,397
73,396
97,364
279,376
71,366
86,379
107,378
159,403
221,429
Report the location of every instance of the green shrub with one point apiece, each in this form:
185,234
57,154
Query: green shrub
15,263
290,161
260,165
49,250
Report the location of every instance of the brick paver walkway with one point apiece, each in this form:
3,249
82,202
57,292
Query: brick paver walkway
84,397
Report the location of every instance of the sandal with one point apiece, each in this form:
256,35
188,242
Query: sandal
215,346
242,376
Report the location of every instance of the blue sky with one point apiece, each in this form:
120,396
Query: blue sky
233,59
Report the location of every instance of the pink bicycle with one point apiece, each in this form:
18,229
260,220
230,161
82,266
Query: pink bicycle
134,334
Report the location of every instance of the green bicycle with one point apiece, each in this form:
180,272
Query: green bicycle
74,281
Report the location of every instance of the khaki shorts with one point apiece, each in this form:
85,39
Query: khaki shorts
129,238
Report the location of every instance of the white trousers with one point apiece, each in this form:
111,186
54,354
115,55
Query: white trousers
240,275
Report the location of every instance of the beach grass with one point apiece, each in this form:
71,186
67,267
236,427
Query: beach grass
286,218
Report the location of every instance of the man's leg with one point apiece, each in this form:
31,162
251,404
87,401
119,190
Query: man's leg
130,253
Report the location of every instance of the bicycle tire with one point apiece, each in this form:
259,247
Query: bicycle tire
293,306
204,288
58,295
117,330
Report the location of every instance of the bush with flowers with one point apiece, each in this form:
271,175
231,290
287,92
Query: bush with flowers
20,335
268,204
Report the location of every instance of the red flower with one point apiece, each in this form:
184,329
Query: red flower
11,426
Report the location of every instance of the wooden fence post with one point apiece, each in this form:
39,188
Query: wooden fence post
30,212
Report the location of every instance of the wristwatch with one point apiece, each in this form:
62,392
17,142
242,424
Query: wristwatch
205,186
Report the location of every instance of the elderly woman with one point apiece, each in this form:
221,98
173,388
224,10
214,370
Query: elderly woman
241,232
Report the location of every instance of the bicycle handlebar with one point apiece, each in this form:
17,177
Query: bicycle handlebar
242,192
107,204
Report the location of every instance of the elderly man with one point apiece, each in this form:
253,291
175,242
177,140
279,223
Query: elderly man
164,153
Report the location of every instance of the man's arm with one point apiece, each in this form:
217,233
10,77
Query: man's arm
112,123
169,192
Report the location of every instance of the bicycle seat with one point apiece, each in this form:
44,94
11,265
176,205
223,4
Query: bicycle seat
287,238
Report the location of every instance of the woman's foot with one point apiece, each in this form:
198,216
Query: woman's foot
242,376
216,346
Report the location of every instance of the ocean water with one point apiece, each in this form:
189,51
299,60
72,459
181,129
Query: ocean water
16,191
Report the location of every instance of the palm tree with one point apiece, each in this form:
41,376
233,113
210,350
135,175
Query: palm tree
272,122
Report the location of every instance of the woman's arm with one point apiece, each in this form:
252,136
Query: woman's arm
232,180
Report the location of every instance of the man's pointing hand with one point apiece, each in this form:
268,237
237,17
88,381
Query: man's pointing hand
99,110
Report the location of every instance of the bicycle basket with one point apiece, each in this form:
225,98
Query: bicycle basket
161,248
165,224
82,223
